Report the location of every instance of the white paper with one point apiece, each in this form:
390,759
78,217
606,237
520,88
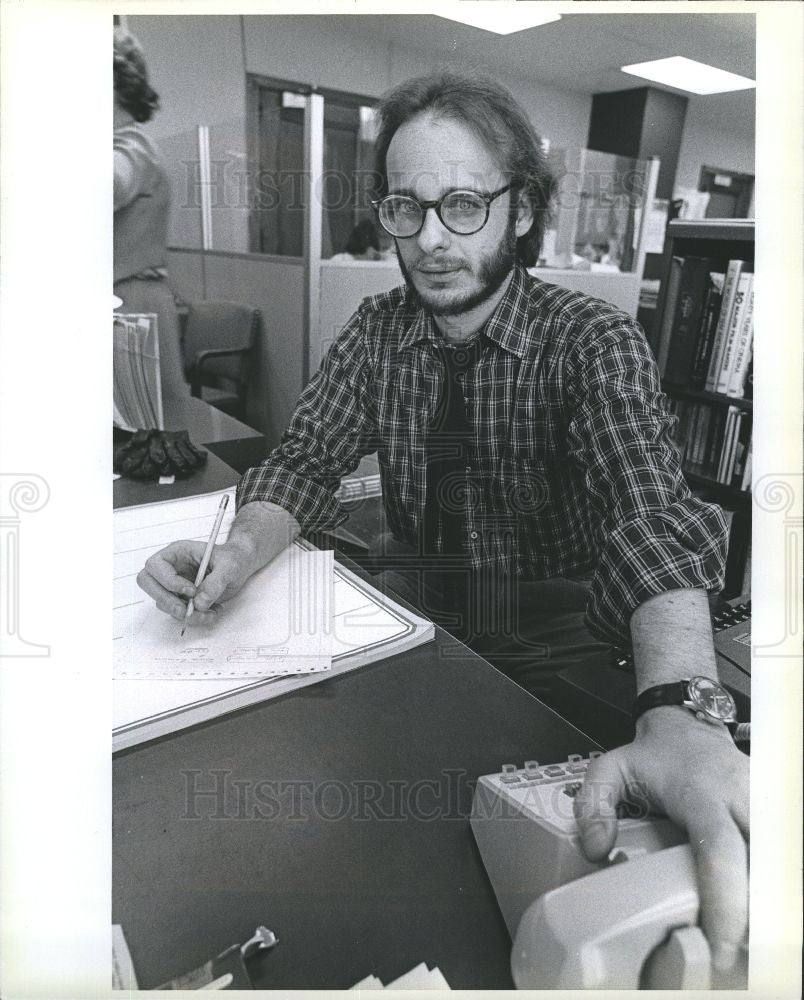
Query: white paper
419,978
279,623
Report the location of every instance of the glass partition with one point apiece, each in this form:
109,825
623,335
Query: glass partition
249,175
597,211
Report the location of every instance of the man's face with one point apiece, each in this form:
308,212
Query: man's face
451,273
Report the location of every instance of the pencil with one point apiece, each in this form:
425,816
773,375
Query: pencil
202,569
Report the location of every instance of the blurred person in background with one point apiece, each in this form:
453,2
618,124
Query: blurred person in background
363,244
141,210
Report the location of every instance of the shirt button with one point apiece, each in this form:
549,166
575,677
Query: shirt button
468,468
473,535
460,377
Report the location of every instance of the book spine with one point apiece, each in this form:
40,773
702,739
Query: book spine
729,290
683,428
700,438
728,472
748,381
743,450
726,444
670,301
713,442
735,323
687,320
745,484
706,336
743,350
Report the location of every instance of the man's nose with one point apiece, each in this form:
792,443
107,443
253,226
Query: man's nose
433,235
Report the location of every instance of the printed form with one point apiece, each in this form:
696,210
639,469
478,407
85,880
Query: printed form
299,620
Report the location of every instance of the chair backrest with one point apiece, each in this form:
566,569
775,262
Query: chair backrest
214,325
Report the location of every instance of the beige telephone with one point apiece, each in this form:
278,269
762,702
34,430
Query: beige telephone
628,923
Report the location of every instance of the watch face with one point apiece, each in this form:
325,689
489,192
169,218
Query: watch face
710,697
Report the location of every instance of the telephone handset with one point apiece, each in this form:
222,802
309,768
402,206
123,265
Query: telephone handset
626,923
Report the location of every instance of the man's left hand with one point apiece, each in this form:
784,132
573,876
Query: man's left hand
691,771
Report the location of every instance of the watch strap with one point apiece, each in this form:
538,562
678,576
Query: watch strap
674,693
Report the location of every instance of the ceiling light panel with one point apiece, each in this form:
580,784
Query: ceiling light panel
501,18
687,74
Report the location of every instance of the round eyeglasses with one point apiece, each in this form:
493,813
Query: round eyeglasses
461,212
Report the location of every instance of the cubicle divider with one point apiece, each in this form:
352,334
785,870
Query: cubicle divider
343,285
275,285
619,288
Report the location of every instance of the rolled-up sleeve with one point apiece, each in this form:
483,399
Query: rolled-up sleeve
654,534
331,428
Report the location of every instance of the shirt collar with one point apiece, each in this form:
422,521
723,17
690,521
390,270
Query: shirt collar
507,326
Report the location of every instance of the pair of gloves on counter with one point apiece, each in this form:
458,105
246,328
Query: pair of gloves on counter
151,454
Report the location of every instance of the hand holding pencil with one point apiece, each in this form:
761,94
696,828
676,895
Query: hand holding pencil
256,536
188,578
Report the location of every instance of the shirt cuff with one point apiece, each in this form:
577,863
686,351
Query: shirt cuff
314,506
677,549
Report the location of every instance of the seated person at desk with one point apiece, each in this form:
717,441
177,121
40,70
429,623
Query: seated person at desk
363,244
526,465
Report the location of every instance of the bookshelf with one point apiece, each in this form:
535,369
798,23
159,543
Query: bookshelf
703,342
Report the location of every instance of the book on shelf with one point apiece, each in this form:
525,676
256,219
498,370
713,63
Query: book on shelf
707,328
683,313
745,482
137,398
748,381
736,321
670,299
742,443
743,349
733,272
713,442
683,331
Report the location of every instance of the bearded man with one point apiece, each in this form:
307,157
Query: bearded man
534,501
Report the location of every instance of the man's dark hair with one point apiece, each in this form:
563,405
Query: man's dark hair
490,111
131,88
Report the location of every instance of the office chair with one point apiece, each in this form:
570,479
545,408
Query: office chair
218,339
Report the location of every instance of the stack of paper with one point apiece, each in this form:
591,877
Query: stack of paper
298,621
137,386
278,624
420,978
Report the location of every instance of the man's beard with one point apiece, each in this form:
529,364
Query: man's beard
491,273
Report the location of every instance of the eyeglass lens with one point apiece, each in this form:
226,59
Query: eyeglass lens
460,211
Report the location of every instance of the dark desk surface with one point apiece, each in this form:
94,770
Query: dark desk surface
349,867
215,475
230,444
205,423
367,864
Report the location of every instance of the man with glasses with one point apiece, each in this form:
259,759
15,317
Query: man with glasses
534,501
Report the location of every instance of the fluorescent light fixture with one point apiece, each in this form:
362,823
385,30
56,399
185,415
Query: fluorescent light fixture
502,18
687,74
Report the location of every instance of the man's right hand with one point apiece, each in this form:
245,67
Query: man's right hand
169,577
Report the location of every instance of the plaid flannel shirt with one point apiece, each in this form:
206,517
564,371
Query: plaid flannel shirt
573,471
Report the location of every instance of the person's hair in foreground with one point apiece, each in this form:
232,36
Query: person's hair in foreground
488,110
131,88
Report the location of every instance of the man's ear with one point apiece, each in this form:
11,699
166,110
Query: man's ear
524,215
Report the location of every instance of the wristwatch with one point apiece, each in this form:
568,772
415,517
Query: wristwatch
701,695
